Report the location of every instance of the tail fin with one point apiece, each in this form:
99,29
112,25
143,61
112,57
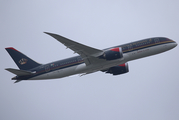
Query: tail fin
21,60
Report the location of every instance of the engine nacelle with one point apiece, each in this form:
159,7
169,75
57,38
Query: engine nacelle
117,70
112,54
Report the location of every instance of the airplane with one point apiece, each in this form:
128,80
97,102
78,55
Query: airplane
112,60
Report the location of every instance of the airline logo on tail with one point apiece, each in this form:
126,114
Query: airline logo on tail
23,61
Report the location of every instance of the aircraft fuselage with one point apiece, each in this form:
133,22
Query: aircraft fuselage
76,65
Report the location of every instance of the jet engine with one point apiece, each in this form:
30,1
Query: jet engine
117,70
112,54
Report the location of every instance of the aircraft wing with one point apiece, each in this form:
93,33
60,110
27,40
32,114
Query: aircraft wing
88,54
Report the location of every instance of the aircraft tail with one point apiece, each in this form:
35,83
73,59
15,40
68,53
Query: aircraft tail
21,60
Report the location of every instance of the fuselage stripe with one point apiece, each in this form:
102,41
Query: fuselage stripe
145,46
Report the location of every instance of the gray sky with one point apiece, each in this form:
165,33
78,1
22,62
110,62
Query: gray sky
148,92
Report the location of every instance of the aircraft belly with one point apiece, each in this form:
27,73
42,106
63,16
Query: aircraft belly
100,66
57,74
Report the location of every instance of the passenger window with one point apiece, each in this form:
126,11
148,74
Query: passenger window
130,47
156,40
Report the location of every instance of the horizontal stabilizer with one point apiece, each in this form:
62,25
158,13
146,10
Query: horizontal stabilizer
19,72
17,81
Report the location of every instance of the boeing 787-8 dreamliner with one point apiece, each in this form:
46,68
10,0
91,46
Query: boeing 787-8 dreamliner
112,60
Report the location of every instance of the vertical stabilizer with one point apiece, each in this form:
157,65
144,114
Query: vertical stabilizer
21,60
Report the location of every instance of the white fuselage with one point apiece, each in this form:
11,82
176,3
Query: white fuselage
82,68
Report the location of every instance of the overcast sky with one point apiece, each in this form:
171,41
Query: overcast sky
150,91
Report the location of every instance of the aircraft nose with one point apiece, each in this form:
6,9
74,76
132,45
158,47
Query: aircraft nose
174,44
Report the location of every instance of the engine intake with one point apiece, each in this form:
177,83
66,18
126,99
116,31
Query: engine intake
112,54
